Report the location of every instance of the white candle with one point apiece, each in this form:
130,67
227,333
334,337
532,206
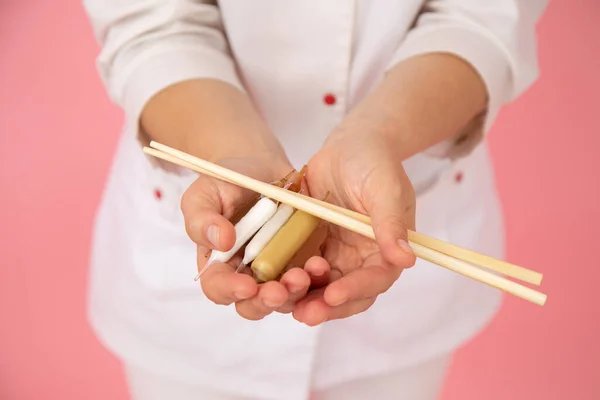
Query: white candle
266,233
250,223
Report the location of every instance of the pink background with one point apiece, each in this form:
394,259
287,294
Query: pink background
57,135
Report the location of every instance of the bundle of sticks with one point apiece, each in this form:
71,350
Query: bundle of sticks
482,268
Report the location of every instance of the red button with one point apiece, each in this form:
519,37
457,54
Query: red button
458,177
157,194
329,99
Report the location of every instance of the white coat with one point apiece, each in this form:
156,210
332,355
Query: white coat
304,64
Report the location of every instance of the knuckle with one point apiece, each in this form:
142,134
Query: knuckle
393,223
185,200
388,274
200,194
193,228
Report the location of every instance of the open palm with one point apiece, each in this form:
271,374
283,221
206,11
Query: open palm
362,176
210,208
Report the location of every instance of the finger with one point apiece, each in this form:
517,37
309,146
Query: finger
375,277
201,207
223,286
297,282
313,310
271,296
318,270
391,213
349,309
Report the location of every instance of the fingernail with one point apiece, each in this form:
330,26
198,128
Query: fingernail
338,302
317,274
321,321
295,289
241,296
212,234
270,304
403,244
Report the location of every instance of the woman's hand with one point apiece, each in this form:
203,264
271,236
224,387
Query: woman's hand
208,206
423,100
216,122
361,171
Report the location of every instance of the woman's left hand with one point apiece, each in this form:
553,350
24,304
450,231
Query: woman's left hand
360,171
422,101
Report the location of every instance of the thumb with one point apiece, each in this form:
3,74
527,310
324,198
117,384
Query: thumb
392,213
202,210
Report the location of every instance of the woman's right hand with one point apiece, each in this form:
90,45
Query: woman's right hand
208,205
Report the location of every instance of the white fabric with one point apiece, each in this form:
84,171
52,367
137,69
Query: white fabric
419,382
144,304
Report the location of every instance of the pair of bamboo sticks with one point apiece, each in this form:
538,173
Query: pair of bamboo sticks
463,261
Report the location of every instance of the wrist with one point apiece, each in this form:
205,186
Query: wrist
422,101
209,119
378,119
234,143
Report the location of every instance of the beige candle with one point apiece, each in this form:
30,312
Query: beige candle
273,259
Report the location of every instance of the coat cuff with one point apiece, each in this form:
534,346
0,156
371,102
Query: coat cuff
160,70
485,54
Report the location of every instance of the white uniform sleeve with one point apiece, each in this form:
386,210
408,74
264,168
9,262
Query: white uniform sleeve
147,45
497,38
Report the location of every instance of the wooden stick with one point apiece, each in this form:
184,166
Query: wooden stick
344,221
487,262
481,260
